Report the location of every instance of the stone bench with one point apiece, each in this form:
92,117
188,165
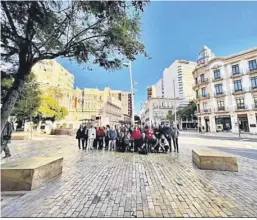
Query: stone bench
29,173
214,160
18,137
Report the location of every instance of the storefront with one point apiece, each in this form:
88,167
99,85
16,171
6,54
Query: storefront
243,122
223,123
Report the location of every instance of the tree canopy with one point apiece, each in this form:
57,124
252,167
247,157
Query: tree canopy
29,99
91,32
50,108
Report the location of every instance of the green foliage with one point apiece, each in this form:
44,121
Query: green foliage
170,116
28,101
100,32
104,33
49,108
187,113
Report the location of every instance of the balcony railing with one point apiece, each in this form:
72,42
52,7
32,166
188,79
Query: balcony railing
253,88
237,74
202,96
241,107
250,72
207,110
217,79
221,109
219,94
239,91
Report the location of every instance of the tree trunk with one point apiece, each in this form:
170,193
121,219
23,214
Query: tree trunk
10,100
14,92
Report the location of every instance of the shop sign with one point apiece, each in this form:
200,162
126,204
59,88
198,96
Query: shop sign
253,125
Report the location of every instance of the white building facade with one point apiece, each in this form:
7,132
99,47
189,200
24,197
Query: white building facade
155,110
226,93
177,81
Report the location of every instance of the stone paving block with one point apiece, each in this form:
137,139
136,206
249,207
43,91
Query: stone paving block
103,184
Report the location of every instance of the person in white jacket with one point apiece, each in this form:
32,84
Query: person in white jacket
91,137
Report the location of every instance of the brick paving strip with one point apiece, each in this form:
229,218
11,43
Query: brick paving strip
111,184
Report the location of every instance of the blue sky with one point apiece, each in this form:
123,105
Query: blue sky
177,30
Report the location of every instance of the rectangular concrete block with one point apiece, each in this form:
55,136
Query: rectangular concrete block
214,160
18,137
29,173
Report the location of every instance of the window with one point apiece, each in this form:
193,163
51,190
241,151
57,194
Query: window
220,104
205,109
216,74
202,77
252,65
240,102
218,89
204,92
196,80
237,85
235,69
254,82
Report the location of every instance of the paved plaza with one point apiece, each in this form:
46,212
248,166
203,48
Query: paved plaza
111,184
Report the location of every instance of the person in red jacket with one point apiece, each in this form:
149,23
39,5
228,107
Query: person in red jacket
136,136
150,137
100,136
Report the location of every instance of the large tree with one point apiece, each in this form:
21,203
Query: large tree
98,32
29,99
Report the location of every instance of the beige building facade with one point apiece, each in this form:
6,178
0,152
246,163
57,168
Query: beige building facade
226,92
84,105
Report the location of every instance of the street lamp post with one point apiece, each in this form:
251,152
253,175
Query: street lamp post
132,88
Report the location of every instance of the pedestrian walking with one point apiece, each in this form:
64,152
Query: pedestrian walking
112,135
6,138
91,137
79,136
175,134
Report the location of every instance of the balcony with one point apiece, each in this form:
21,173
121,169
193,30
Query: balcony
221,109
203,96
253,89
239,92
200,82
207,110
217,79
236,75
241,108
251,72
217,95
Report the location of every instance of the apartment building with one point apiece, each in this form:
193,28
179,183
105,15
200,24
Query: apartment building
126,103
155,110
226,91
151,92
50,72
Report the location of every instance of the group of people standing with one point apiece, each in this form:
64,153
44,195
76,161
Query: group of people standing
125,138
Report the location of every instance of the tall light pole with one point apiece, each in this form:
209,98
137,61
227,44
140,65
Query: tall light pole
131,87
175,120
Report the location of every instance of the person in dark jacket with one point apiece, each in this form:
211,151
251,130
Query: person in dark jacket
80,137
5,139
84,137
166,130
107,137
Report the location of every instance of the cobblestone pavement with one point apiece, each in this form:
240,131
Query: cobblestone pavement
111,184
